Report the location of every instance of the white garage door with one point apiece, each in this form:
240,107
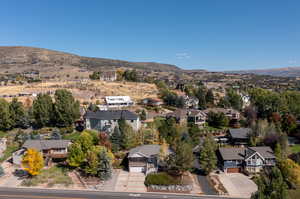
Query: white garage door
136,169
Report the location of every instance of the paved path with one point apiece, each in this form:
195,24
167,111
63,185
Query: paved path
237,184
130,182
28,193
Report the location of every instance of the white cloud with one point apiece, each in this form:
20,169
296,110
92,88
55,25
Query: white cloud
183,55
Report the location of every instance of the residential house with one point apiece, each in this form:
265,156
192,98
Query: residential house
239,136
107,120
145,158
108,76
250,159
118,101
191,102
197,117
51,150
152,102
180,115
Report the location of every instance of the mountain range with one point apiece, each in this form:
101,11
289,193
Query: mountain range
15,59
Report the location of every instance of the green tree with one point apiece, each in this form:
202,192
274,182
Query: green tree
181,160
169,131
66,109
217,120
95,75
143,115
42,110
116,139
210,97
76,155
208,158
92,161
234,99
6,122
104,167
18,114
201,95
127,135
271,185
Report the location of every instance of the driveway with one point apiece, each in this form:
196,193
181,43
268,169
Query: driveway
237,184
130,182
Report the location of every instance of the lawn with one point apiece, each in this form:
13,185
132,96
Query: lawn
71,136
50,177
295,148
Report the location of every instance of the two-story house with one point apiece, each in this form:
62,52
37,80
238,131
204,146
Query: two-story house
197,117
145,158
250,159
107,120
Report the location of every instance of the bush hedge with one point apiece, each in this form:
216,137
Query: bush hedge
161,179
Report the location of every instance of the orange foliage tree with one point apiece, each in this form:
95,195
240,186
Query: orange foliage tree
33,162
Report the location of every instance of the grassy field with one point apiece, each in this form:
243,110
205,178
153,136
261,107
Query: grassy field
86,90
294,194
295,148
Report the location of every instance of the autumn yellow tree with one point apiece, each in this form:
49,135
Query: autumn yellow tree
33,162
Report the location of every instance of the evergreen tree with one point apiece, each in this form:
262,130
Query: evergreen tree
208,158
201,95
6,122
234,99
104,167
210,97
116,139
66,109
217,120
17,114
181,160
143,115
127,135
42,110
271,185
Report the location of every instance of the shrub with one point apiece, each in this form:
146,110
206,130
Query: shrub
1,171
161,179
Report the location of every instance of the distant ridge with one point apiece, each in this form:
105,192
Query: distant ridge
280,72
21,56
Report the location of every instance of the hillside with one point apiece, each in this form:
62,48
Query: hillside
280,72
17,59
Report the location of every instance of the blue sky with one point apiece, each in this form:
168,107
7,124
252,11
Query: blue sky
202,34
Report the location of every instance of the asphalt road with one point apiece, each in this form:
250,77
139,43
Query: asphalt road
17,193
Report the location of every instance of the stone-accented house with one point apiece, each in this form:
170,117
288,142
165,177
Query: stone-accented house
239,136
107,120
51,149
144,158
250,159
198,117
108,76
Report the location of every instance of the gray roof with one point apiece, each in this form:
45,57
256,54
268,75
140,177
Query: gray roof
243,153
46,144
178,113
240,133
232,153
264,151
111,115
145,150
